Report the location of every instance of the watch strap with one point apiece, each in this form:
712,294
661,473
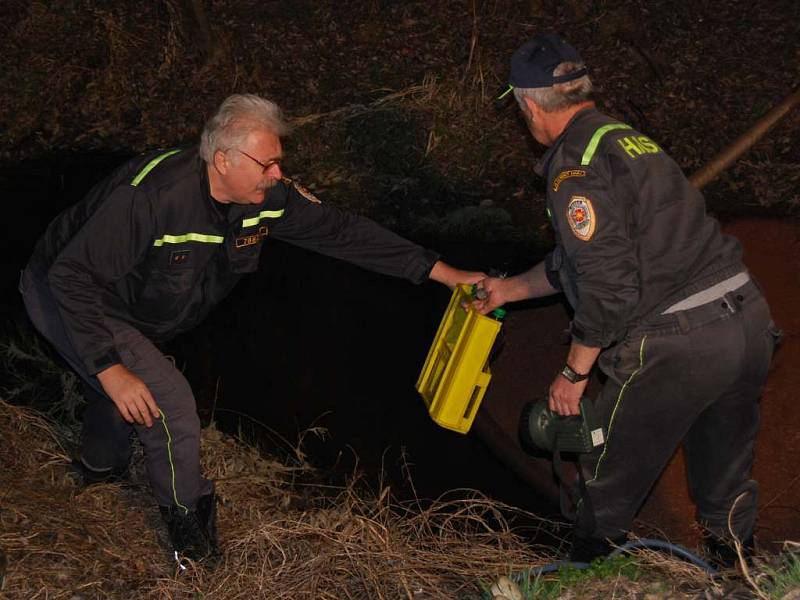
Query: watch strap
572,375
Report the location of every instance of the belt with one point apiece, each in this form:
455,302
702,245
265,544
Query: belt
715,292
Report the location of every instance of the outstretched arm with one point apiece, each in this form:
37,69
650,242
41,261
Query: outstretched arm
533,283
450,276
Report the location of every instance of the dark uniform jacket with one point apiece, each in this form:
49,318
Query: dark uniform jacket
151,247
632,233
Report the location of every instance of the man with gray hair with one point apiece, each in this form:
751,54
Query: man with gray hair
660,296
146,255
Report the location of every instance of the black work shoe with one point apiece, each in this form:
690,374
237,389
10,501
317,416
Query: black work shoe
91,476
722,551
193,533
586,549
207,514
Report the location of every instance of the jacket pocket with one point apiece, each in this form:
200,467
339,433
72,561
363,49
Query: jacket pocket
622,360
244,259
772,339
173,281
774,334
167,293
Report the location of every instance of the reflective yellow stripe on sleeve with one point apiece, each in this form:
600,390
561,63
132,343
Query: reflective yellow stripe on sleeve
591,148
150,166
264,214
189,237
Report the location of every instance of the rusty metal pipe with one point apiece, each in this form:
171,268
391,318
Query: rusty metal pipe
744,142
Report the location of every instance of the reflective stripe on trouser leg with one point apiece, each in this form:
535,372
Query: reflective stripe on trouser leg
172,445
641,405
171,462
610,428
692,358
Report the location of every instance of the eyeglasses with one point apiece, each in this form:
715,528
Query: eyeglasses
264,166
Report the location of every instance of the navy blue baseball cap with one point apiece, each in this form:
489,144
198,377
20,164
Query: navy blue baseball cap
532,65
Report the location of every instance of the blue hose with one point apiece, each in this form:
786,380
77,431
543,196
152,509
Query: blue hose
549,568
673,549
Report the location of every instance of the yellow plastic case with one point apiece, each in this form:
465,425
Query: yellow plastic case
456,374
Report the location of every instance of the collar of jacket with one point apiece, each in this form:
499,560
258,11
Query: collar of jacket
541,167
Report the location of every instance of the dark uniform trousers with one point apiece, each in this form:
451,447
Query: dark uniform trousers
172,444
693,376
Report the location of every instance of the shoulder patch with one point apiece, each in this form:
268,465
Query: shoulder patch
581,217
306,194
301,190
566,175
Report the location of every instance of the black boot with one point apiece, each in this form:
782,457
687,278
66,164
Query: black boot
207,513
722,551
91,476
193,534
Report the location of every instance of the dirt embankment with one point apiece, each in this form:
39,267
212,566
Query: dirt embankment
395,102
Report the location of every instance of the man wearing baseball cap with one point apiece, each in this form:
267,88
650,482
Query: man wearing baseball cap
662,302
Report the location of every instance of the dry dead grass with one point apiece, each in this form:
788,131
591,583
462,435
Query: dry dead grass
280,537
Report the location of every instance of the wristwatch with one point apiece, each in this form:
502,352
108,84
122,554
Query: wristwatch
573,376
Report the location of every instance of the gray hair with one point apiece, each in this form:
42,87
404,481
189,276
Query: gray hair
560,95
237,117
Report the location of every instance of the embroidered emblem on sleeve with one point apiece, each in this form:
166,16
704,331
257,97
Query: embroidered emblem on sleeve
566,175
303,191
581,217
306,194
